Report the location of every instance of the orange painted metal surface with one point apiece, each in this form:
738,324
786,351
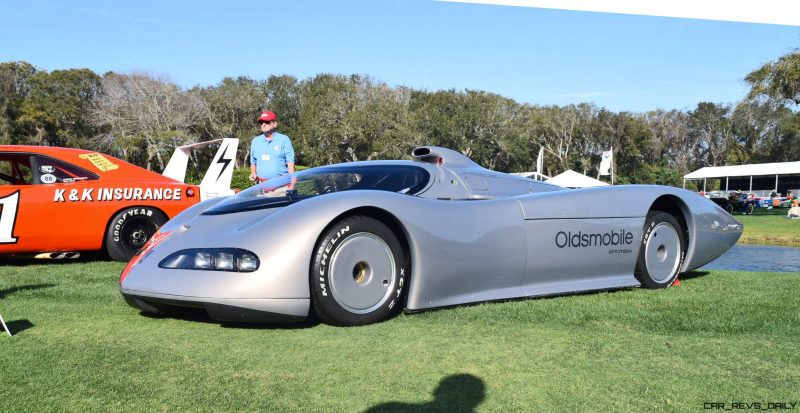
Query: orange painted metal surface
63,199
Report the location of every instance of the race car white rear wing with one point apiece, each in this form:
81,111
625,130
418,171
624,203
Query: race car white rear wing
217,180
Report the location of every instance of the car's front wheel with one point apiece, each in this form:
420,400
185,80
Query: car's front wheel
662,251
358,272
130,229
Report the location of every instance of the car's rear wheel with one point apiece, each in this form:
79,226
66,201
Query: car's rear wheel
662,251
358,273
130,229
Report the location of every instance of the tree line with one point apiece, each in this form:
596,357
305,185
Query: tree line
141,117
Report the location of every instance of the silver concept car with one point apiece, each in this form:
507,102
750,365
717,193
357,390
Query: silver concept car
353,243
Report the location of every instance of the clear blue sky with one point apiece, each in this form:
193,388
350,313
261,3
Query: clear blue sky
537,56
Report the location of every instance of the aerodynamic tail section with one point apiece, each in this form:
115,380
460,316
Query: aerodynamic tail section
217,179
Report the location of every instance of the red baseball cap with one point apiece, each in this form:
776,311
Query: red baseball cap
267,116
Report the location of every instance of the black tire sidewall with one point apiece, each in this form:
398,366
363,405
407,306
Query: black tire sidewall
653,219
729,208
115,245
324,304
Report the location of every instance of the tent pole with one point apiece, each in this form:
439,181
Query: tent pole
776,182
726,184
704,185
751,184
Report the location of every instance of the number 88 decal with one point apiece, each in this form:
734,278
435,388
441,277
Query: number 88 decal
8,216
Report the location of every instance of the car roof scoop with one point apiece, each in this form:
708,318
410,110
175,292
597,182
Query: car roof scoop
442,156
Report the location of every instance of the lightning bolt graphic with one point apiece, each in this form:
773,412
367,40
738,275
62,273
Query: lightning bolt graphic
223,160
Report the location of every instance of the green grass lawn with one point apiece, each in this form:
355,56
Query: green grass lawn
770,229
718,337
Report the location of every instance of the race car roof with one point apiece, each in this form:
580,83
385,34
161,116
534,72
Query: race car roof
108,166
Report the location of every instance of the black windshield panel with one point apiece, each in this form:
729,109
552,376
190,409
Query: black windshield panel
287,189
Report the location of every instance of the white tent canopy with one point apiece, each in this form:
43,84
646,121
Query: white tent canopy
572,179
758,169
789,170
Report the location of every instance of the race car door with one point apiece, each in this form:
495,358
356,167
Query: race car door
30,218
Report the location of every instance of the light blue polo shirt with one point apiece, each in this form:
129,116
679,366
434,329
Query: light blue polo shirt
271,157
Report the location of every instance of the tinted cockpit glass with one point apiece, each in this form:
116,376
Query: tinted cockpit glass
280,191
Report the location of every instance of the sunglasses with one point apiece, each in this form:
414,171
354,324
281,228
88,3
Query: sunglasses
261,122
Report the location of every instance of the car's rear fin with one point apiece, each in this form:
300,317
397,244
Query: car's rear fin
217,179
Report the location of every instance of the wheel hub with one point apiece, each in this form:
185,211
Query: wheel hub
662,252
138,237
362,270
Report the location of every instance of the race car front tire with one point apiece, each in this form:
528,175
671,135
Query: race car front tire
130,229
358,272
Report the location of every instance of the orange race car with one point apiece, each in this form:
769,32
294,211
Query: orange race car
56,202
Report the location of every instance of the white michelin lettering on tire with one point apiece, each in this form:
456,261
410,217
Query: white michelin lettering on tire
361,244
660,260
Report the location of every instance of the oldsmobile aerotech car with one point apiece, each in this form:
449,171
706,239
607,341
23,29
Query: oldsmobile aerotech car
353,243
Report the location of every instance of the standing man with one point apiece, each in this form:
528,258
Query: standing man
271,153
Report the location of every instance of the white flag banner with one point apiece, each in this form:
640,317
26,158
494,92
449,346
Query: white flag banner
540,161
605,162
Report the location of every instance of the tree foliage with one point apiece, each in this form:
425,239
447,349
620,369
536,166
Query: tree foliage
778,80
145,117
335,118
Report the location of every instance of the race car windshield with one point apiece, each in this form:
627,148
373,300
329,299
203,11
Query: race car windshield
287,189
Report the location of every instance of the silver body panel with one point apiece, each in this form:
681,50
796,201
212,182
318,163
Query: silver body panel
473,235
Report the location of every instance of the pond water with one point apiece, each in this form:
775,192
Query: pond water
758,258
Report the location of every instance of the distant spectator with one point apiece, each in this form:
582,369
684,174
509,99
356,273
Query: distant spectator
794,211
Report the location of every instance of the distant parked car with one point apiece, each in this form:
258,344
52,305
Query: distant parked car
735,201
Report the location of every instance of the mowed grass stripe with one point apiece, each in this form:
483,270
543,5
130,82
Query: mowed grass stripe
720,336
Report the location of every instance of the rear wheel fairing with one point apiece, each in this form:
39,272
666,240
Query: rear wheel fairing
566,255
711,230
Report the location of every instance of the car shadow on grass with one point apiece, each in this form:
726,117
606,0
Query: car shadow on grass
200,316
12,290
85,257
456,393
693,274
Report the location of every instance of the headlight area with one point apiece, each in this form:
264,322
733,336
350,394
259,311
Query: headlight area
212,259
144,252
